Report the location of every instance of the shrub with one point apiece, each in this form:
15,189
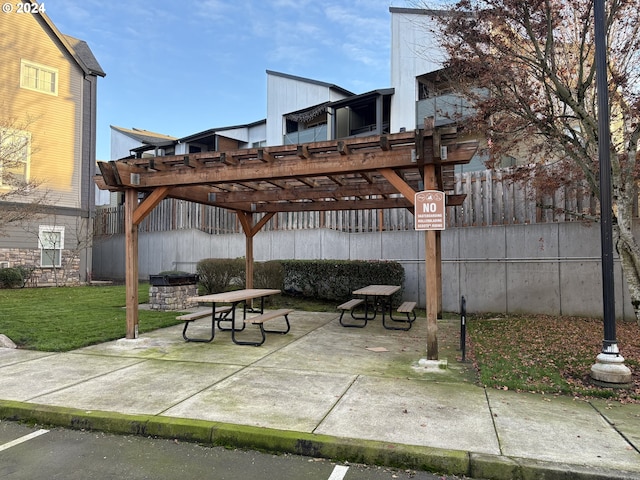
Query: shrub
11,278
218,274
26,271
331,280
268,274
334,280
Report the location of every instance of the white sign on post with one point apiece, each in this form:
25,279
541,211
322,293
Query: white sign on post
429,210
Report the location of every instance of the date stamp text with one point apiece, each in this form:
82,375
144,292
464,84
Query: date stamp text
23,7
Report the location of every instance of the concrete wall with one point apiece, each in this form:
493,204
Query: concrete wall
545,268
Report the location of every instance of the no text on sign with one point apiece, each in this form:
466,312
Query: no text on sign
429,210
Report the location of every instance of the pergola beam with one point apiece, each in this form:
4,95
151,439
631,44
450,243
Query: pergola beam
202,194
399,183
149,203
333,205
250,171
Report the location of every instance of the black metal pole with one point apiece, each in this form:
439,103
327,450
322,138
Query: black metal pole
610,344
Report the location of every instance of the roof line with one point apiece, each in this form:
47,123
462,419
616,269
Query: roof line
355,98
139,132
69,48
210,131
310,80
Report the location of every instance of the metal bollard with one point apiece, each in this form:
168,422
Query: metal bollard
463,326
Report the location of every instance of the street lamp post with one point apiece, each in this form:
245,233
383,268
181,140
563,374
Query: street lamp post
609,369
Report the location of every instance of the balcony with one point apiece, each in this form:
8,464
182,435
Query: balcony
444,109
314,134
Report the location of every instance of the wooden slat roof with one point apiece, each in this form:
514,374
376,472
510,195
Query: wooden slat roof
346,174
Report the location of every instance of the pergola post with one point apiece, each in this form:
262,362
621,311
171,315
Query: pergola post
134,213
250,230
439,269
248,264
431,293
432,273
131,262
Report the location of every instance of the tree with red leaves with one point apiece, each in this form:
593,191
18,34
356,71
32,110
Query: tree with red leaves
536,63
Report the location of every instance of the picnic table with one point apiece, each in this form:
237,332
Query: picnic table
377,298
228,315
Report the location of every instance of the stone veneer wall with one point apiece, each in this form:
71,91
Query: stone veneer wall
67,274
174,297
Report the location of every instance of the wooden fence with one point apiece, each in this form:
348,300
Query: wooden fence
490,200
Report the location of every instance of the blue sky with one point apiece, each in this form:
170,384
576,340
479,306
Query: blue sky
180,67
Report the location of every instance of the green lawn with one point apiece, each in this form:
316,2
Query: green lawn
65,318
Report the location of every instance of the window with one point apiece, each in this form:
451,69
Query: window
14,156
432,89
39,78
51,243
423,90
291,126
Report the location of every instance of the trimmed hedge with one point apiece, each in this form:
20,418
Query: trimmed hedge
331,280
334,280
268,274
218,274
221,274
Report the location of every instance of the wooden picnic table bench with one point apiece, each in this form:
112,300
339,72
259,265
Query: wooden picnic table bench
259,320
348,307
381,299
408,309
221,312
235,298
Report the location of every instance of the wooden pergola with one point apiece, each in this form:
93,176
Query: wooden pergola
377,172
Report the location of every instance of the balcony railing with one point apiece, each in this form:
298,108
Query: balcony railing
444,109
315,134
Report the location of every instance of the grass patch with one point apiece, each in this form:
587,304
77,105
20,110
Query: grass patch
551,355
65,318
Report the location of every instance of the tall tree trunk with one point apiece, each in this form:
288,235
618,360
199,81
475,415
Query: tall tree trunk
628,248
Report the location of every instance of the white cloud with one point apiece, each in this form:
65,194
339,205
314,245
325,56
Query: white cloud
292,55
364,33
214,9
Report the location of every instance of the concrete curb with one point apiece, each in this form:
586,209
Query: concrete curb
451,462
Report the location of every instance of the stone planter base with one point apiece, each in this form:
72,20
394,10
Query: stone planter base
174,297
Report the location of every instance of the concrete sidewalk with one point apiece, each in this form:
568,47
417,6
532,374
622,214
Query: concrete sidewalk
350,394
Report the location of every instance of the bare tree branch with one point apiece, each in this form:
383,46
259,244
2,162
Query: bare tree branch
21,195
535,62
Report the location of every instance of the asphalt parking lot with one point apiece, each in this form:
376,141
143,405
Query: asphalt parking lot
36,453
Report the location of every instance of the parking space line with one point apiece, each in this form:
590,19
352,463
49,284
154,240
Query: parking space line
20,440
338,472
